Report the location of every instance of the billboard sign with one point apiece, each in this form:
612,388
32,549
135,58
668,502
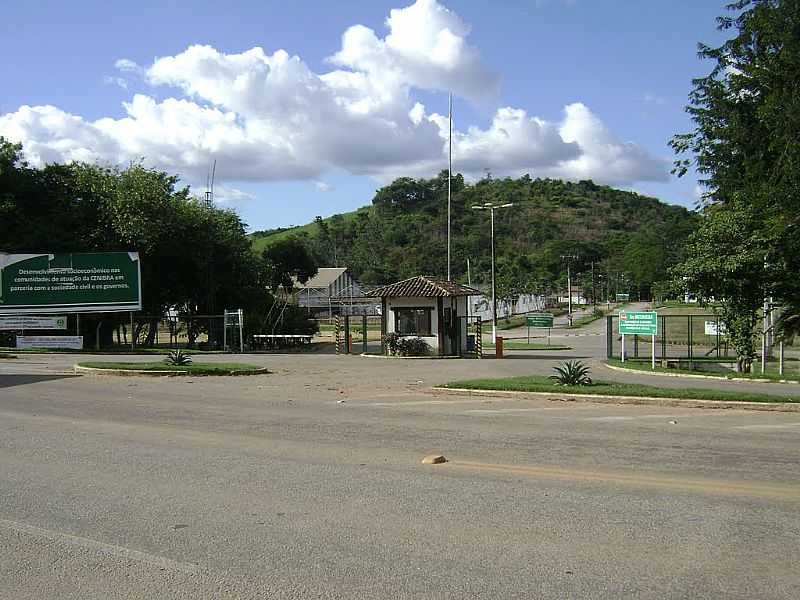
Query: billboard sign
21,322
540,320
60,342
638,323
62,283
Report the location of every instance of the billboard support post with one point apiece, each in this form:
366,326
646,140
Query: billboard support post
653,344
241,338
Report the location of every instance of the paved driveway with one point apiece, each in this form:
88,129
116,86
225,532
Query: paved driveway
307,483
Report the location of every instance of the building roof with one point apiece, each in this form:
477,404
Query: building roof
325,277
424,286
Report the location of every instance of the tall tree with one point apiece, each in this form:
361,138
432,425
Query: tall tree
746,148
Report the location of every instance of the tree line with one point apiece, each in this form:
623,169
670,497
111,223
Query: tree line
196,258
615,241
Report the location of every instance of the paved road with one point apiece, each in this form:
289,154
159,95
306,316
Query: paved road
271,487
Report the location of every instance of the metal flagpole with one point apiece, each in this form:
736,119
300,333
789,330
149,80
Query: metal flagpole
449,175
494,288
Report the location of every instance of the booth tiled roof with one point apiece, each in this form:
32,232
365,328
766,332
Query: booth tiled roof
423,286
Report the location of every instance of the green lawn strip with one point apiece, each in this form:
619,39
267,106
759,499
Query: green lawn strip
525,346
540,383
710,369
192,369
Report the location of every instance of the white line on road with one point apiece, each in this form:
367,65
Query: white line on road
512,411
780,426
631,418
89,544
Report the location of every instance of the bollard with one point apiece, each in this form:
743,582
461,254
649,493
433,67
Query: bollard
498,347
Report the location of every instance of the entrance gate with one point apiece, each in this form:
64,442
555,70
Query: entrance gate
362,334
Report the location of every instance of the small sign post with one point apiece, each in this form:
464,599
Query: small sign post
639,323
539,321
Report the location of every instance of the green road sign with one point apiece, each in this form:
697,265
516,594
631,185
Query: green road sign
540,320
623,297
638,323
90,282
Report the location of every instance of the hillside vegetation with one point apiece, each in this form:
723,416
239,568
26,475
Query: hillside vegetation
631,239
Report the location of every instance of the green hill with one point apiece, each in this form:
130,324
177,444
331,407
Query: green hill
631,240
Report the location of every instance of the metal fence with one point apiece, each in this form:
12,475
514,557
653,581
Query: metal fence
689,337
126,331
358,334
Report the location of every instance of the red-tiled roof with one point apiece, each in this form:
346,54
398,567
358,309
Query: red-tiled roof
423,286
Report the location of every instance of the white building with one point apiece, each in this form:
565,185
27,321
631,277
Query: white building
429,308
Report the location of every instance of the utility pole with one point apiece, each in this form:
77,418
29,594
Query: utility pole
569,258
469,283
594,299
491,208
449,175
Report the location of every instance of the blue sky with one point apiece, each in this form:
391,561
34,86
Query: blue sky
565,88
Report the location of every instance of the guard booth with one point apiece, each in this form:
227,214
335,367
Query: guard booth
429,308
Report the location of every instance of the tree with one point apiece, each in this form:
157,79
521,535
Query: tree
746,148
285,259
725,261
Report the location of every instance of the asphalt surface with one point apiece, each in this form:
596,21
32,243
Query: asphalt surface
307,483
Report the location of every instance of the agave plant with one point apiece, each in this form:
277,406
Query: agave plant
572,372
177,358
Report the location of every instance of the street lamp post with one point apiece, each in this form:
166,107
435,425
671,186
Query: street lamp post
568,258
491,208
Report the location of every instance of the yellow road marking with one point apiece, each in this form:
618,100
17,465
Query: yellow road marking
709,486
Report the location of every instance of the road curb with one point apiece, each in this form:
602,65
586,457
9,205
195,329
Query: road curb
144,373
432,357
693,376
642,400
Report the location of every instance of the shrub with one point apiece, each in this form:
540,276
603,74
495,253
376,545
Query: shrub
177,358
413,347
392,343
572,372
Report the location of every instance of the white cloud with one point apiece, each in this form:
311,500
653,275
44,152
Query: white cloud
650,98
426,48
230,196
323,187
604,157
118,81
126,65
267,116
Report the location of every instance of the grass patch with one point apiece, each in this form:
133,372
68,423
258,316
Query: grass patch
709,368
507,345
540,383
191,369
509,322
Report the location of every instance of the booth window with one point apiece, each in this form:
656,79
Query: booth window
412,321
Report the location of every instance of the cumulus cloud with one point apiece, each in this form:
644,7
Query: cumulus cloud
267,116
323,187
